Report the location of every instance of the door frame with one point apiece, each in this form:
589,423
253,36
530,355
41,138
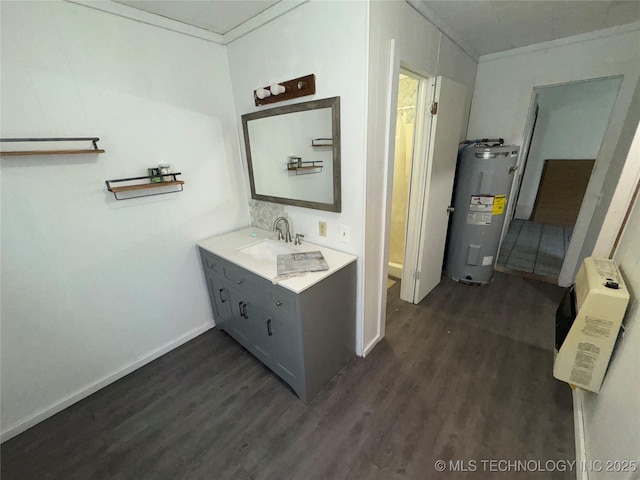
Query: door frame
523,155
526,150
570,266
417,182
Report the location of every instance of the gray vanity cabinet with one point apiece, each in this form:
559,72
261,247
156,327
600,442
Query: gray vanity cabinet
218,293
304,338
282,338
241,306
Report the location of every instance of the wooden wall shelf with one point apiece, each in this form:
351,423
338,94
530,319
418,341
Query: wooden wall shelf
150,184
19,153
305,167
322,142
22,153
143,186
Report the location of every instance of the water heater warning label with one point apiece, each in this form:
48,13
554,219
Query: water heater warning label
498,204
479,203
480,207
479,218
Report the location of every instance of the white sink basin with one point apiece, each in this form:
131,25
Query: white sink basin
268,250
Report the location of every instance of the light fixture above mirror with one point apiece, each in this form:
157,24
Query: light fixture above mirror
278,92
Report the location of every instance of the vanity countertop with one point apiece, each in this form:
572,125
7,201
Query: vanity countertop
228,246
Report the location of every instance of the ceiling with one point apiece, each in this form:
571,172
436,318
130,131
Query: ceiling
218,16
492,26
481,26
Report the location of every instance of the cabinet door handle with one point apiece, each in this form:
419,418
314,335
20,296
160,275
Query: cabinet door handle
269,327
220,292
239,282
278,304
244,309
241,309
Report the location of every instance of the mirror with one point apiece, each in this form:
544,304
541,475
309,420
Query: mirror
293,154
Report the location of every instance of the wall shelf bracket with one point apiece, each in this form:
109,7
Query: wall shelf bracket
151,183
16,153
305,168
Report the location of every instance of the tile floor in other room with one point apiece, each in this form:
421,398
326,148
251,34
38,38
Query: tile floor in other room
534,248
465,375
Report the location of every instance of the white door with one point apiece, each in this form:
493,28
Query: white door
430,218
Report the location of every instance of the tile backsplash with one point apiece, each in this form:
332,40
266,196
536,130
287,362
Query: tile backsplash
263,214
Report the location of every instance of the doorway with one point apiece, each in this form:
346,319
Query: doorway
424,165
564,134
403,160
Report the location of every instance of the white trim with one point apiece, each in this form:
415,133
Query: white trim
176,26
621,201
527,136
361,322
579,432
561,42
261,19
103,382
433,18
387,185
372,344
147,18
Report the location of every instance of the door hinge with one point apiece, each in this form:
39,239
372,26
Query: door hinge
416,275
434,108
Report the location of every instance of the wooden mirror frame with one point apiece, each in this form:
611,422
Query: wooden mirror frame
334,104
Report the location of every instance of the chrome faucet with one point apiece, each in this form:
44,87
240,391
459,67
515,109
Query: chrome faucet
287,233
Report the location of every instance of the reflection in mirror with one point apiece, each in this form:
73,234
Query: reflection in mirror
293,154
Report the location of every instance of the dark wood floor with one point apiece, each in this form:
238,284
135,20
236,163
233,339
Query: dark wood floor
465,375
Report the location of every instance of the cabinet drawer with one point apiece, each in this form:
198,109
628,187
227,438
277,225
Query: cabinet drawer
210,262
280,303
240,277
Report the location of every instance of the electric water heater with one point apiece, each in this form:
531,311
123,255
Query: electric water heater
483,182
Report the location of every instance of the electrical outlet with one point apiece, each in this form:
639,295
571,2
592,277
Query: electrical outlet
344,233
322,229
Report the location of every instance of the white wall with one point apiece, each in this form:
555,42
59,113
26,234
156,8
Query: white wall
502,98
571,123
398,35
329,40
91,287
612,417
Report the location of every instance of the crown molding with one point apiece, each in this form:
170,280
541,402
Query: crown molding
561,42
271,13
147,18
125,11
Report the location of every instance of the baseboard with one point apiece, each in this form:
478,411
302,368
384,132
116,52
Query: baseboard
578,427
103,382
372,344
